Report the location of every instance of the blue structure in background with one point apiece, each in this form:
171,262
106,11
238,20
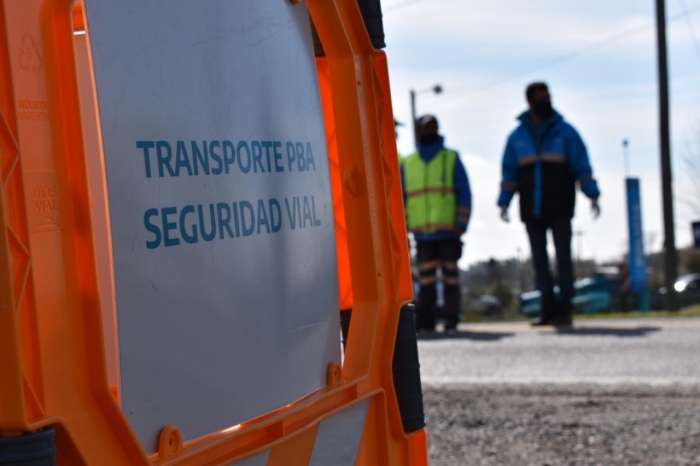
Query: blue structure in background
637,259
696,234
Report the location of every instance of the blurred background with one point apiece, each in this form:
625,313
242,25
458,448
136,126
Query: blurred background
622,387
600,60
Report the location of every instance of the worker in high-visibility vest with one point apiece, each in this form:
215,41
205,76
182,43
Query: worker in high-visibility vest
438,206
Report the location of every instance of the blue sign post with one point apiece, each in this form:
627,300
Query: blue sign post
696,234
637,258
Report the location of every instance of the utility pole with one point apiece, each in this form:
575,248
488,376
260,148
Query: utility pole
671,267
414,123
436,89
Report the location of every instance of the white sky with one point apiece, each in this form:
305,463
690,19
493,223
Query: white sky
484,52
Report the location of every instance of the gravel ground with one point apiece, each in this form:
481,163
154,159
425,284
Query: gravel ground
558,424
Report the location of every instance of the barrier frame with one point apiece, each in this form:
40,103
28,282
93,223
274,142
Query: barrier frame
52,360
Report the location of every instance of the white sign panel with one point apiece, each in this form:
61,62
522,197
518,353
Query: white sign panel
221,211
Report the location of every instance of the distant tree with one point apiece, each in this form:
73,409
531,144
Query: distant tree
504,295
690,198
692,261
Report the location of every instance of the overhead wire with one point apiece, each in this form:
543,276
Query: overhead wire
574,54
691,29
580,52
564,58
400,5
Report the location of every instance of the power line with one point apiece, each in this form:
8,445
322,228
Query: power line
693,37
576,53
400,5
582,51
564,58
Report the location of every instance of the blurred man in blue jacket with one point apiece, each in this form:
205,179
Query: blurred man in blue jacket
544,160
438,206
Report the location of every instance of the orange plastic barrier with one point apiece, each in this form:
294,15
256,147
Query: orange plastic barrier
53,361
341,236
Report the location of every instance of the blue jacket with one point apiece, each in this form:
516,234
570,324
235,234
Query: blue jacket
463,191
544,165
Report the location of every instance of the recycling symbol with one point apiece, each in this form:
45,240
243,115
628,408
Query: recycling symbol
29,56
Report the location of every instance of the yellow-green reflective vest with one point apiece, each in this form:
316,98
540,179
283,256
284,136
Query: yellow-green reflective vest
431,201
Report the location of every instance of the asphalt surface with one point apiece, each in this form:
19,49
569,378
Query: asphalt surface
606,393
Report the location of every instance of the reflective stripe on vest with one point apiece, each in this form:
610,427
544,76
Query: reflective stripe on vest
431,203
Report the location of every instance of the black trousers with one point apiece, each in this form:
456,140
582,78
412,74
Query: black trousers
432,255
561,232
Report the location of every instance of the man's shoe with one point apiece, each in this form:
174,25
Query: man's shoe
563,323
541,322
450,328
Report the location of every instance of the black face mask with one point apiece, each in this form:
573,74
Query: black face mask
543,109
428,139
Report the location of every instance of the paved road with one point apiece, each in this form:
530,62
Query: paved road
658,351
607,393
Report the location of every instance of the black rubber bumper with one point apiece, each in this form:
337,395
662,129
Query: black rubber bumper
28,450
406,370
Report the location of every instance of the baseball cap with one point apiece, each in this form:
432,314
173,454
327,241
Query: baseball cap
425,120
